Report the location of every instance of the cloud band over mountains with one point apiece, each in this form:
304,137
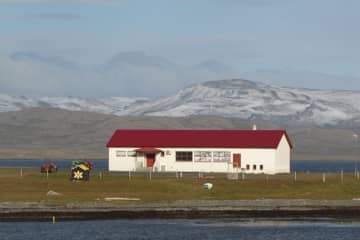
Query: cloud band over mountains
125,74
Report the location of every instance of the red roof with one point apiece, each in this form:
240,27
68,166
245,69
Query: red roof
197,138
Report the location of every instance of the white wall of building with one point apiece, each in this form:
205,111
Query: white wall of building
121,163
283,152
272,160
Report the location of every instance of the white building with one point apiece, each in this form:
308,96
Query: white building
257,151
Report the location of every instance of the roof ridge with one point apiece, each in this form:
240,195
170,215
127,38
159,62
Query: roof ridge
202,138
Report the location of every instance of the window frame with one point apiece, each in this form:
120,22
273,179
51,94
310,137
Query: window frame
120,153
184,156
221,156
202,156
131,153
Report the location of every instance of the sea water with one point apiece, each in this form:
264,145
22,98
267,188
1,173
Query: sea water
179,229
36,163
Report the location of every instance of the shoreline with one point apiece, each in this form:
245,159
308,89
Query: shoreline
290,210
105,158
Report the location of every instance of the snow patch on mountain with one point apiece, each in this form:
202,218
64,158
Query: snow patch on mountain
248,100
112,105
227,98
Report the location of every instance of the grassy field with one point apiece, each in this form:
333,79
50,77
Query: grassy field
33,186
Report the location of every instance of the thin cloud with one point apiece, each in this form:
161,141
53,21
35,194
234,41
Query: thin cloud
56,16
251,2
126,74
57,1
26,56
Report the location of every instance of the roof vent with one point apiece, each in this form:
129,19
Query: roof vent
254,127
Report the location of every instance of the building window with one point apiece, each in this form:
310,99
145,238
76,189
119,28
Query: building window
162,154
254,167
202,156
261,167
184,156
131,153
247,167
221,156
121,153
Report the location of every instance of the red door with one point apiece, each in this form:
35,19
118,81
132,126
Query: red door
150,159
236,160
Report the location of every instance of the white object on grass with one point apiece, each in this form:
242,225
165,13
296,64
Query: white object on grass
208,185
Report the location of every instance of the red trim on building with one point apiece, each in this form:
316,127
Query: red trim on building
148,150
197,138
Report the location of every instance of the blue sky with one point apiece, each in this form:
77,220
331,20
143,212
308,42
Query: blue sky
79,45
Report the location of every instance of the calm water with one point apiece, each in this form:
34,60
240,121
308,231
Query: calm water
296,165
63,164
321,166
178,229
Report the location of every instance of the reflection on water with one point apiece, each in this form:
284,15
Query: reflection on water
180,229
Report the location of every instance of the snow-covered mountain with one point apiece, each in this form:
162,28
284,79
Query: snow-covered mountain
228,98
112,105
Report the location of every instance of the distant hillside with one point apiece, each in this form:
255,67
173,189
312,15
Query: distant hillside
243,99
54,133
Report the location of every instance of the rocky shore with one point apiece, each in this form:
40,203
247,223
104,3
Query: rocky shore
263,208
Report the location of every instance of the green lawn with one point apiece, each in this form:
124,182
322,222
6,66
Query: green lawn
33,186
